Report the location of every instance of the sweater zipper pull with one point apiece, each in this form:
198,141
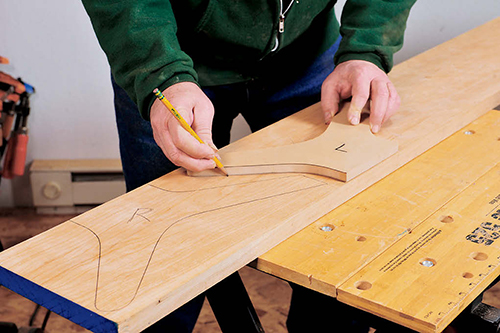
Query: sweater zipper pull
281,28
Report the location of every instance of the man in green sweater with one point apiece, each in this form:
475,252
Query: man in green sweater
213,60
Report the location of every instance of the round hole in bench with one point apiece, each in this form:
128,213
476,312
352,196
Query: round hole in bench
363,285
446,219
479,256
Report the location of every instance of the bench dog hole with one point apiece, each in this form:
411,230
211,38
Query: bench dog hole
446,219
467,275
479,256
363,285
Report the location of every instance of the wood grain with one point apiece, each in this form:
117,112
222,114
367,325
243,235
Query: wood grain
341,152
460,240
373,221
129,262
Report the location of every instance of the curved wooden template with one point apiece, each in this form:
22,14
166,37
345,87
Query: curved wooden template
341,152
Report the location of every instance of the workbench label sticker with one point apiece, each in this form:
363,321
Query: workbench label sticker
484,234
410,250
495,200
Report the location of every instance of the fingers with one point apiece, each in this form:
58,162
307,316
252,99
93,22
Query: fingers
187,143
330,99
379,103
178,145
179,157
394,102
385,102
363,82
360,95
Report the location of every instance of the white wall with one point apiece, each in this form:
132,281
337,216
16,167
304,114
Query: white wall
51,45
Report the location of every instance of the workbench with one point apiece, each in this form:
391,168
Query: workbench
388,241
418,246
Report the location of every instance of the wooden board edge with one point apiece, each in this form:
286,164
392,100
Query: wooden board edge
308,281
275,168
470,297
55,303
372,307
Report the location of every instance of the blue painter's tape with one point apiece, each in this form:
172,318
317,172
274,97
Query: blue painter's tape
60,305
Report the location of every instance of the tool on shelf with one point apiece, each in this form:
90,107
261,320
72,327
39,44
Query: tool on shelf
14,109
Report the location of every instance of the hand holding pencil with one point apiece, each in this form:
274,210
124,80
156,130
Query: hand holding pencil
184,132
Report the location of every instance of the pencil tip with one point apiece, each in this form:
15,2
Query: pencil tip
223,170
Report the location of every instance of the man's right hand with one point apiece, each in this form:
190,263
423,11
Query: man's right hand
177,144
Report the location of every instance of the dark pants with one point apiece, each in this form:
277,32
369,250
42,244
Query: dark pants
261,102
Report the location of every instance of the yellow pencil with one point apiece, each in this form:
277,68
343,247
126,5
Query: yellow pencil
185,125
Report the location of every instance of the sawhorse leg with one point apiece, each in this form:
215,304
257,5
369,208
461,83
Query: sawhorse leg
232,306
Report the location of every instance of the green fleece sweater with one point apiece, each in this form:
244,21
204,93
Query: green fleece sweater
157,43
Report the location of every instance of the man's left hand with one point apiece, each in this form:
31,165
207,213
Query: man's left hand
362,81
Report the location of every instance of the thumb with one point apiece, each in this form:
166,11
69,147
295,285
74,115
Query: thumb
211,145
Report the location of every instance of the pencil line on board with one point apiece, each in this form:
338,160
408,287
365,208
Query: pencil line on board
96,294
237,184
